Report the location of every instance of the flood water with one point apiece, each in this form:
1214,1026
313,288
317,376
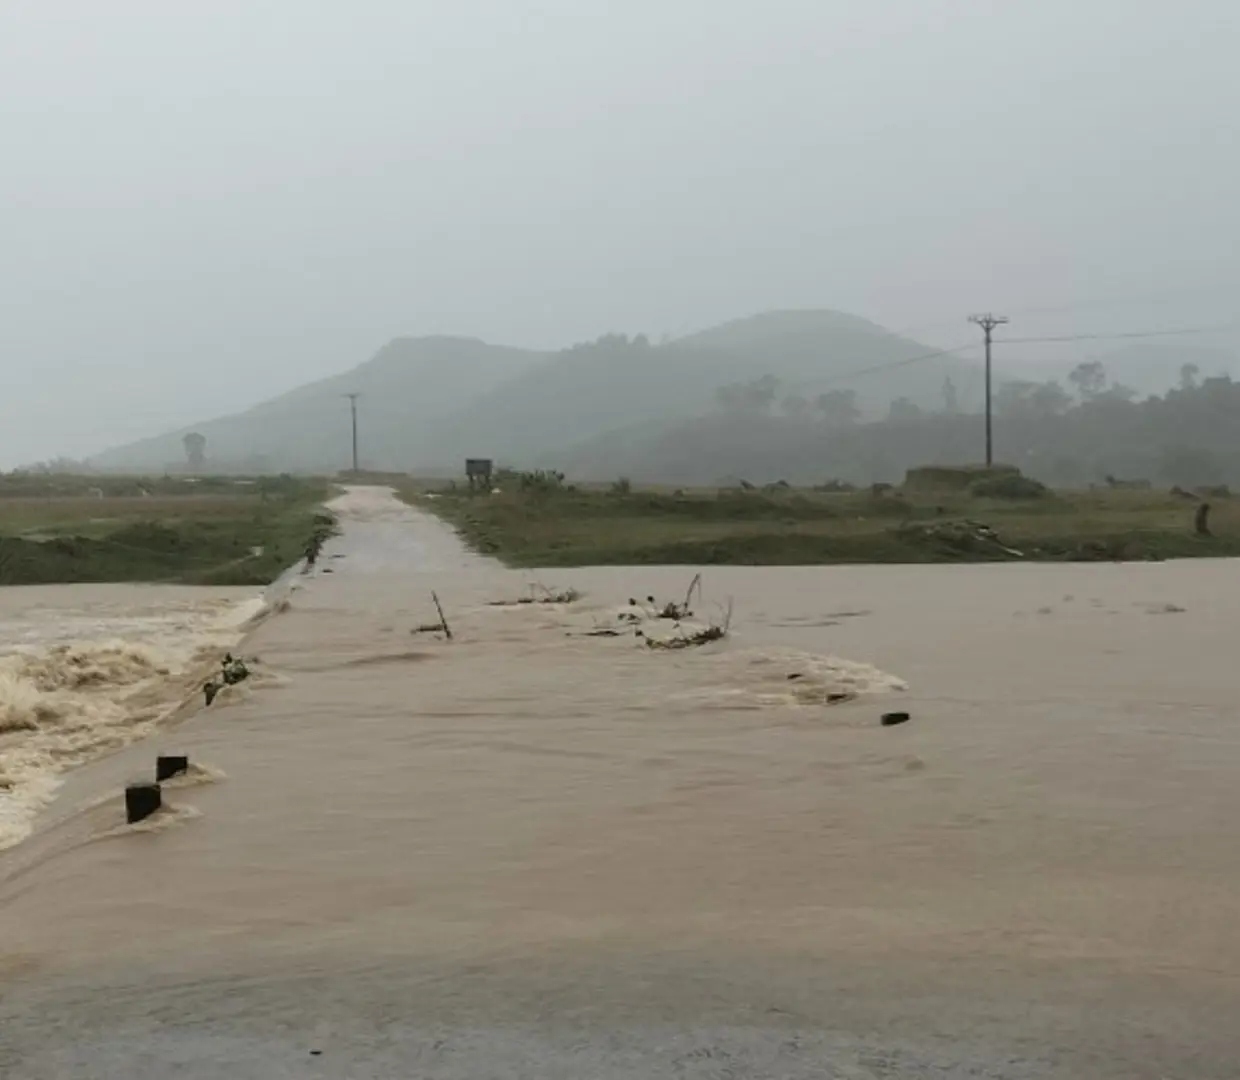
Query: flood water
532,851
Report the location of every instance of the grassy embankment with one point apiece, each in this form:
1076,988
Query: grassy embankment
213,531
567,526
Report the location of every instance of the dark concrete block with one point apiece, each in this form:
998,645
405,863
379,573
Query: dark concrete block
169,765
141,801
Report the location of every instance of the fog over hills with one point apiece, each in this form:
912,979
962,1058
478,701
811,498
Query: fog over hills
407,385
427,402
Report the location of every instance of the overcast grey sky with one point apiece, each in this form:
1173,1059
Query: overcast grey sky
203,202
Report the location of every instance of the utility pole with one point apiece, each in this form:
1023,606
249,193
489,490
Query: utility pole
988,322
353,409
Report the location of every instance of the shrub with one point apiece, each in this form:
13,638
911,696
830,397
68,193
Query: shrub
1008,486
543,480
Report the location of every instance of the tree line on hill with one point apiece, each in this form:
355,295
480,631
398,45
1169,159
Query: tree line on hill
1067,437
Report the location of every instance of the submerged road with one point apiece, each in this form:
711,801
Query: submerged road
529,852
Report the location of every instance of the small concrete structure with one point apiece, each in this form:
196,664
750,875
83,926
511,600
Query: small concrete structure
141,801
169,765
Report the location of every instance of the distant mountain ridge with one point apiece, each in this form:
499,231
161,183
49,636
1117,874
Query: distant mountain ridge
407,384
426,403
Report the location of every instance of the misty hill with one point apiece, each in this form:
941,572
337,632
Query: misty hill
627,385
1188,435
813,351
408,384
428,403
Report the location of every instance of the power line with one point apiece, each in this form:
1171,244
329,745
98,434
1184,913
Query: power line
848,376
1114,300
1127,335
891,365
988,323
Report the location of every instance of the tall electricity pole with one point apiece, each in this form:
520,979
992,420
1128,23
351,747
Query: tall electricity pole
988,322
353,409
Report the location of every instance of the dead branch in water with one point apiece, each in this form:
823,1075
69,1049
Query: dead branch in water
671,609
440,627
443,619
696,583
716,631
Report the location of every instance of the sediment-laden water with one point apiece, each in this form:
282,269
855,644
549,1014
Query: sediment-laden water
88,669
546,848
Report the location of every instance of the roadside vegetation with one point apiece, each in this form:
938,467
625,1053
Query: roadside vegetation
937,515
209,531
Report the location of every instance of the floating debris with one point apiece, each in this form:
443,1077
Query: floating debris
540,594
669,609
688,641
232,671
715,631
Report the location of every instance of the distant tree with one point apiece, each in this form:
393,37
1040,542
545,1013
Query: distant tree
763,391
1012,397
751,397
951,399
839,407
1118,392
903,411
195,450
62,465
1037,401
1188,376
729,398
796,407
1050,399
1089,379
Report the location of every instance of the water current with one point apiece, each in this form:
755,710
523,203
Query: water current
545,848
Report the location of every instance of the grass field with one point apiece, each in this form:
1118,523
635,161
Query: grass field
216,531
588,526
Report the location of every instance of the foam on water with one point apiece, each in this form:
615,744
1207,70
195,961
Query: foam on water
79,680
792,677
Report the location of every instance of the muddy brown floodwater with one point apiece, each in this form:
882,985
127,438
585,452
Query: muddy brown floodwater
535,852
